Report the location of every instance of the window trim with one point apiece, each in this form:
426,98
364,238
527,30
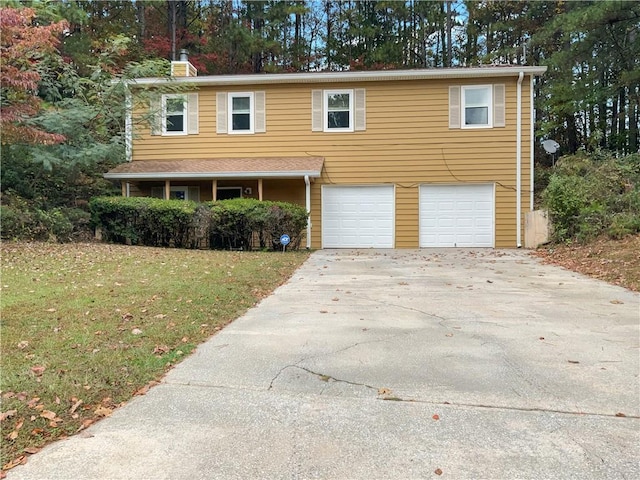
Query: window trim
463,106
185,114
325,110
252,113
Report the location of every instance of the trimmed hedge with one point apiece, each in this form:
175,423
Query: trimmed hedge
237,224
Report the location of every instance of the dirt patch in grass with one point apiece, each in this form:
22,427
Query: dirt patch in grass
87,326
614,261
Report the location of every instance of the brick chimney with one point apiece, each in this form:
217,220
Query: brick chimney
183,67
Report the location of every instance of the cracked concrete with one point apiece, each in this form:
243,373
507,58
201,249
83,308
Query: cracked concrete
392,364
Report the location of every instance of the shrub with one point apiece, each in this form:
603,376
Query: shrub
145,221
244,223
590,196
241,223
22,220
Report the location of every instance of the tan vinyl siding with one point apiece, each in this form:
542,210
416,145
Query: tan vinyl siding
407,142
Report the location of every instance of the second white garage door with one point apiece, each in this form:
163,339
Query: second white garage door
358,216
457,216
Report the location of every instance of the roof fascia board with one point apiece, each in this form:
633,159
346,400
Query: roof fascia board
209,175
349,76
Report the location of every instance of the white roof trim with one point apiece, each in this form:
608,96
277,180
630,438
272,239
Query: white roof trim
349,76
211,175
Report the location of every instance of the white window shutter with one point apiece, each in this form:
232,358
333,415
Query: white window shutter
192,111
360,109
260,123
499,115
156,114
221,112
454,107
316,111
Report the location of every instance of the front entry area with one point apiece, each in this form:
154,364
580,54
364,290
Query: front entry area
457,215
358,216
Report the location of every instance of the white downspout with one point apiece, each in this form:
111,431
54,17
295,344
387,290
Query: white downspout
128,125
532,122
519,162
308,205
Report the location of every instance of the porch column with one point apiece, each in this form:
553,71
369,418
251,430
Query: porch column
214,190
260,189
307,195
123,186
167,189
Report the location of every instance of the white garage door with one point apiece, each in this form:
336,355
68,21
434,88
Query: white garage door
358,217
456,216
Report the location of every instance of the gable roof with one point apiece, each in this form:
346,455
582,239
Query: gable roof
268,167
348,76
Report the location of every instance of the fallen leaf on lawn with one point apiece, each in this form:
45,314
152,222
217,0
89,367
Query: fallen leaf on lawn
23,344
75,406
48,414
13,435
33,402
136,331
7,414
160,315
21,460
38,370
85,424
31,450
437,471
161,349
103,411
617,302
436,417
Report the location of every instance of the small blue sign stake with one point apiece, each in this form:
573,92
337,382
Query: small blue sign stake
284,241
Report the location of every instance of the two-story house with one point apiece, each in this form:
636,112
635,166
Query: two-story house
385,159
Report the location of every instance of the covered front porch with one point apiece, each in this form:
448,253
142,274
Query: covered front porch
283,179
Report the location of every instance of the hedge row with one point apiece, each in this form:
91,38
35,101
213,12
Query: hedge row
237,224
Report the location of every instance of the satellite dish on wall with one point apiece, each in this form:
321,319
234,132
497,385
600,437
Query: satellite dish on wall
550,146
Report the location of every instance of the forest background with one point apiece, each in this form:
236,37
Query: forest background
64,63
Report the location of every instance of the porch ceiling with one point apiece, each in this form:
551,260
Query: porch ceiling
215,168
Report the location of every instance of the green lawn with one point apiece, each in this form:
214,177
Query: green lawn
87,326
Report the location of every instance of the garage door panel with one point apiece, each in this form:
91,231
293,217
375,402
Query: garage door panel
456,216
358,216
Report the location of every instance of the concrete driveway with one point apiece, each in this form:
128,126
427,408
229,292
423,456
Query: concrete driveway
392,364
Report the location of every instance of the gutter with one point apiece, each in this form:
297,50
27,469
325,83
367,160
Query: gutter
348,76
209,175
519,162
308,205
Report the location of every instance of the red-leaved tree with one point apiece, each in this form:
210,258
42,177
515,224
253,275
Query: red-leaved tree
23,46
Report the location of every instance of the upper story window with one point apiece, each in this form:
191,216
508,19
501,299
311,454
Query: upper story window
338,110
477,106
241,113
174,115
